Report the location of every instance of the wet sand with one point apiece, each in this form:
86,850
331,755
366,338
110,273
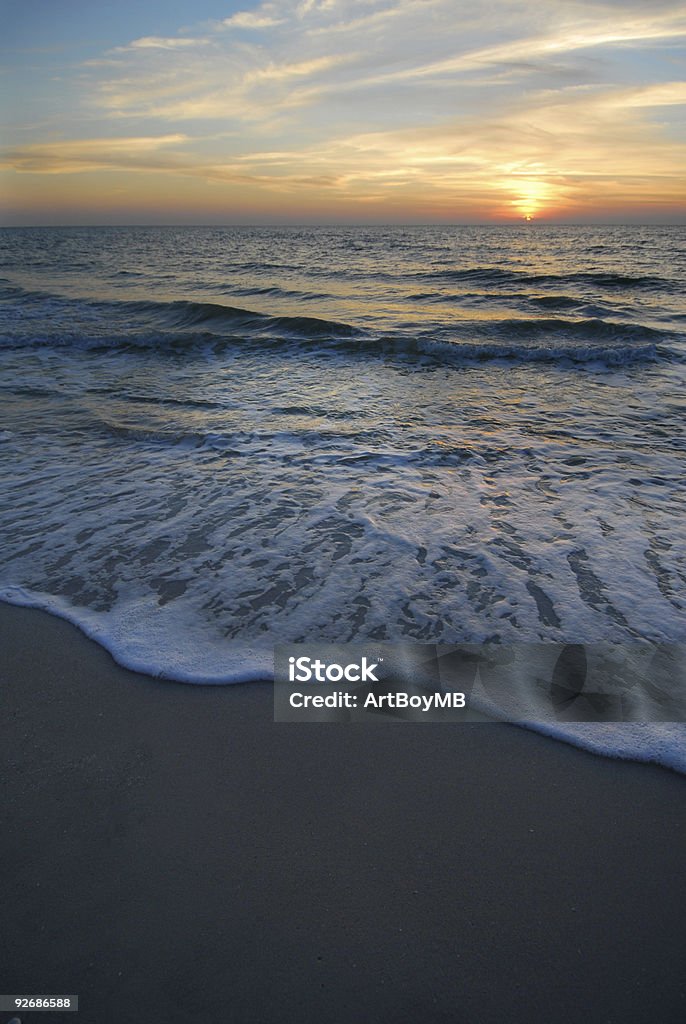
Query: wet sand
170,854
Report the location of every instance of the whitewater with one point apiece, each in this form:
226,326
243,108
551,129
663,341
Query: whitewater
216,440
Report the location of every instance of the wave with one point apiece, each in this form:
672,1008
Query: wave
592,329
273,291
545,301
555,301
180,325
601,279
661,743
455,354
425,351
300,444
183,313
15,293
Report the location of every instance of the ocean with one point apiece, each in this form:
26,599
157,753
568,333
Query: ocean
215,440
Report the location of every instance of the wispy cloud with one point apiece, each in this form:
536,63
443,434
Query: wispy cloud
161,43
299,69
87,154
434,104
252,20
663,94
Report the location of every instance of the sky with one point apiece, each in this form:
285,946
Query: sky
342,111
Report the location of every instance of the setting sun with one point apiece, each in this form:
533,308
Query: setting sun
535,198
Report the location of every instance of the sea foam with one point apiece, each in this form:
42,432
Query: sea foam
412,438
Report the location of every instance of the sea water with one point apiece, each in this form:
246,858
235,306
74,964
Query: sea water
215,440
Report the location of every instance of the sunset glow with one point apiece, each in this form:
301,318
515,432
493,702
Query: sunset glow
343,110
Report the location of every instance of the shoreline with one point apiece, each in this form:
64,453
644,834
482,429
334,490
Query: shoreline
182,857
624,742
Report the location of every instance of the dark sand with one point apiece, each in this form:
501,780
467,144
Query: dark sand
170,854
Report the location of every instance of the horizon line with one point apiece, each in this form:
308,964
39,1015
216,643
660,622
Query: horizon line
363,224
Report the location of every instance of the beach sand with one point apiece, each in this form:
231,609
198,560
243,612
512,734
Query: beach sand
170,854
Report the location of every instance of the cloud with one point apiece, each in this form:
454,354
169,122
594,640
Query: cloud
160,43
253,19
363,46
664,94
421,102
300,69
525,51
157,43
80,155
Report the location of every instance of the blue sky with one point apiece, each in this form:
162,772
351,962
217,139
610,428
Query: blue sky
342,110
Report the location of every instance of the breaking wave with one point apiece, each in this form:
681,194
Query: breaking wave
57,321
